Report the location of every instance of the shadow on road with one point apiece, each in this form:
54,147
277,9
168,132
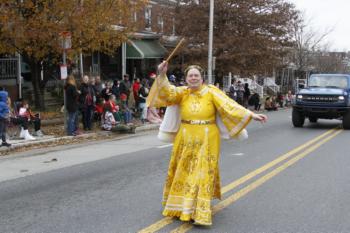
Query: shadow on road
322,124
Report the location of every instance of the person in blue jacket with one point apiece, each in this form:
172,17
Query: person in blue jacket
4,114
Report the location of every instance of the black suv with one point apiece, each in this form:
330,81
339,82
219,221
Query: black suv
327,96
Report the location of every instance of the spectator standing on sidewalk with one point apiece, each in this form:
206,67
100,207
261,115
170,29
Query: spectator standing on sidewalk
246,95
116,89
72,105
240,93
135,90
4,116
125,87
143,93
107,91
87,98
99,86
232,91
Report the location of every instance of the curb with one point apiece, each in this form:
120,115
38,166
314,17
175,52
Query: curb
139,129
147,127
53,121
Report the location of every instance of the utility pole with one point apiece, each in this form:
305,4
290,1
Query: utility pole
210,43
19,76
66,43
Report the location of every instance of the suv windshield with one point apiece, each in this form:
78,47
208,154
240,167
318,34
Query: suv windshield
328,81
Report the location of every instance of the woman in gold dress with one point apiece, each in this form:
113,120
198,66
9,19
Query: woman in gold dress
193,176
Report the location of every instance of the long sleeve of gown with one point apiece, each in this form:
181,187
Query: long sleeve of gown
234,116
164,94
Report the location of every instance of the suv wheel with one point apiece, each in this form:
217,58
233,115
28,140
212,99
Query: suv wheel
346,120
298,118
313,119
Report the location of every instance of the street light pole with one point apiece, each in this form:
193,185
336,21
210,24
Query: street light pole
66,43
210,43
64,58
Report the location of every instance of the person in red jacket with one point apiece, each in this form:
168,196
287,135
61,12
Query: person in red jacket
135,89
114,108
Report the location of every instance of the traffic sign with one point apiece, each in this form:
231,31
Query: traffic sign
66,40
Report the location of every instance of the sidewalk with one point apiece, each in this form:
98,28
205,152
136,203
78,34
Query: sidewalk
51,140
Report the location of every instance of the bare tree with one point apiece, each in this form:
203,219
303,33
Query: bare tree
306,42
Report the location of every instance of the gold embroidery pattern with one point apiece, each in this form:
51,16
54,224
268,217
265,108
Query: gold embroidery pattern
193,178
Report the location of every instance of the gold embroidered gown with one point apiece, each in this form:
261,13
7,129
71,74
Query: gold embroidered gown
193,176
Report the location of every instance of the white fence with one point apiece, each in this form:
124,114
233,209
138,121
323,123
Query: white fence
271,85
8,68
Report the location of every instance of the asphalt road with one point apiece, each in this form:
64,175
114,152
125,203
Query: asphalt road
282,179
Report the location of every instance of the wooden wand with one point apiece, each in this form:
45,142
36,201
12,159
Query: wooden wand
175,50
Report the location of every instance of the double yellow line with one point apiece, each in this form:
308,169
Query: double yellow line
304,150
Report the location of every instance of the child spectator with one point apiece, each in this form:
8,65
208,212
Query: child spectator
270,105
288,99
4,115
114,108
280,99
254,100
153,116
27,117
108,121
99,110
125,109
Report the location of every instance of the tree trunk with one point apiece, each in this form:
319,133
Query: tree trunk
35,67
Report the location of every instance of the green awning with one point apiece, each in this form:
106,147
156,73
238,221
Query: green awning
141,49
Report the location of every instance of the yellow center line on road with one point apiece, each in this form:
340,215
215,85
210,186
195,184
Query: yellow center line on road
234,197
272,163
168,220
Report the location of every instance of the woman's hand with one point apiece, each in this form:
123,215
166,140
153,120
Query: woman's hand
260,117
163,68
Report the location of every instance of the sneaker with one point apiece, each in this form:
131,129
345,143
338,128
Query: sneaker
5,144
38,133
78,132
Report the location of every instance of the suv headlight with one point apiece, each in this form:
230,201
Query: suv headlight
341,98
299,97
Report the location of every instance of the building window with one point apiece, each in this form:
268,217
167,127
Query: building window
148,18
160,23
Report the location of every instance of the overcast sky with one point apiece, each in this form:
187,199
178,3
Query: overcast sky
326,14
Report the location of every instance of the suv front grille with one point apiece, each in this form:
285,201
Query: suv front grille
321,98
